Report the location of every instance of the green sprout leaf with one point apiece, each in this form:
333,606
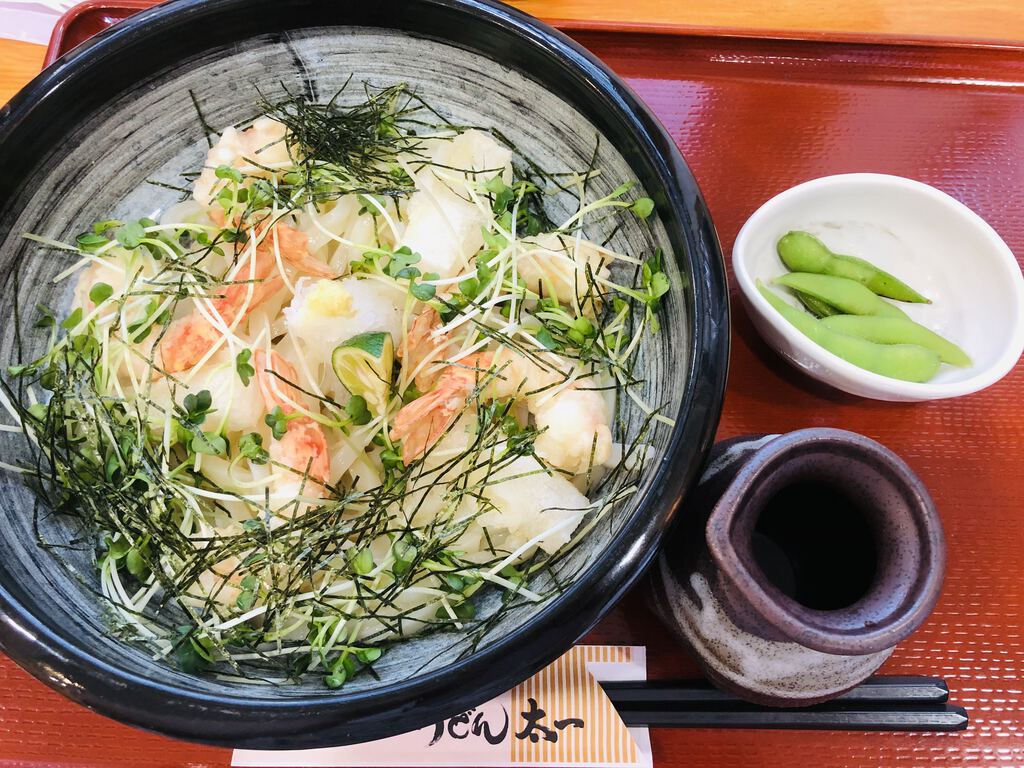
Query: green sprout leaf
368,655
546,339
72,320
496,185
245,600
255,557
493,240
47,318
131,234
227,172
620,190
367,206
136,564
583,326
250,446
642,207
21,370
656,285
357,410
191,653
422,291
90,242
251,582
99,293
454,582
484,271
117,548
250,589
470,287
243,368
391,460
198,406
102,227
277,420
503,200
659,284
234,235
400,264
209,443
336,679
362,561
404,552
463,611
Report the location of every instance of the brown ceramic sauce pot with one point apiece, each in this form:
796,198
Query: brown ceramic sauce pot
800,562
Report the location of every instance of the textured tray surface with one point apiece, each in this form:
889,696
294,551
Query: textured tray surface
754,117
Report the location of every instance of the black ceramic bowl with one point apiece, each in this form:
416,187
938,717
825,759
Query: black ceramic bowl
80,141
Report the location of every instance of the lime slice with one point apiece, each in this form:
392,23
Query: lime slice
363,365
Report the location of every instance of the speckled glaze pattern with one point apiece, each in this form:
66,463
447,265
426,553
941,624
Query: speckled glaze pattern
747,634
80,144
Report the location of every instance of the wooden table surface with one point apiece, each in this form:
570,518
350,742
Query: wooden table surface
966,449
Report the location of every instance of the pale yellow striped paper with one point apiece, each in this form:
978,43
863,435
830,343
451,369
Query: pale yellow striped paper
566,690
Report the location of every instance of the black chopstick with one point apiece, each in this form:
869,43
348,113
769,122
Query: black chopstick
939,718
885,690
895,703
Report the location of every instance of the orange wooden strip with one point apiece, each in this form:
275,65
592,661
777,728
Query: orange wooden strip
19,63
970,19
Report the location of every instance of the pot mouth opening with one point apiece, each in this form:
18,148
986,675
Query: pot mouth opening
831,540
817,544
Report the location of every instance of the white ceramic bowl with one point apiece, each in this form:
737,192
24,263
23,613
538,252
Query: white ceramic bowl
921,235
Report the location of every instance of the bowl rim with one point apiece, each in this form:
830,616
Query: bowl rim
862,379
331,718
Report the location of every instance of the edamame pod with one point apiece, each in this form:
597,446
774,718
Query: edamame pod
908,362
815,306
842,293
895,330
803,252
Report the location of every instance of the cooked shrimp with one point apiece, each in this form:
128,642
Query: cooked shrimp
422,422
573,421
294,248
303,448
574,429
422,349
293,244
264,143
189,338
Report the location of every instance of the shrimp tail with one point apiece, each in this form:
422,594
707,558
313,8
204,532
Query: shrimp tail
272,376
422,347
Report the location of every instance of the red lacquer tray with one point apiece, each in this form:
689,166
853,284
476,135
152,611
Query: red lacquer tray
753,117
